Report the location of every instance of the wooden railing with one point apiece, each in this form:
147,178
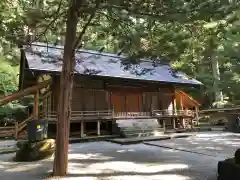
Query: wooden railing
79,115
18,127
101,114
159,113
23,124
110,114
128,115
7,131
14,130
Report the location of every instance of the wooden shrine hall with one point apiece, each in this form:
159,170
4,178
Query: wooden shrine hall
108,96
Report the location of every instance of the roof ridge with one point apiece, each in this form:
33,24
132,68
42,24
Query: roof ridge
89,51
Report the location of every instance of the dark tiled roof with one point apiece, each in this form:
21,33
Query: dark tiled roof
48,57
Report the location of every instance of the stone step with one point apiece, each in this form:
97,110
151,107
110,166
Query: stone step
139,135
142,133
139,127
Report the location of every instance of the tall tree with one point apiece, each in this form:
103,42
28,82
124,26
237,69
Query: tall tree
66,82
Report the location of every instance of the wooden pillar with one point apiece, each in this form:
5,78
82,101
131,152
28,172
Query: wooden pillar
164,125
143,102
36,105
45,107
173,111
47,112
197,115
173,123
21,73
82,129
151,105
107,95
181,108
50,103
94,101
98,128
112,109
174,104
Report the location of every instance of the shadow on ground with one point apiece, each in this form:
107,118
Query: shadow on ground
103,160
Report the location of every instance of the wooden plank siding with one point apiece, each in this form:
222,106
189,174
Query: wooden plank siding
93,96
117,101
148,101
125,99
134,102
78,99
55,92
89,100
101,98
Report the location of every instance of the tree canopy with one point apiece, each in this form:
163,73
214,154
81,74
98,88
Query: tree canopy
186,33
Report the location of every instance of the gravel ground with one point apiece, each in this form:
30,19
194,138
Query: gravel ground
107,161
216,144
6,144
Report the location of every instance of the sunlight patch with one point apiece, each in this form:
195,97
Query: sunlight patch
130,167
23,168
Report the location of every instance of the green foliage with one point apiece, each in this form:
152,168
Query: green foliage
8,85
8,77
187,34
10,26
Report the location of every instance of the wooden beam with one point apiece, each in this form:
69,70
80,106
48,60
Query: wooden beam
36,105
188,97
25,92
181,103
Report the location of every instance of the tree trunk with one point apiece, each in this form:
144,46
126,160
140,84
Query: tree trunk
216,79
66,82
218,96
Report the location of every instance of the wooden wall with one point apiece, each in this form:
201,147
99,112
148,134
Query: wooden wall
92,95
89,100
126,99
86,95
160,99
29,79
